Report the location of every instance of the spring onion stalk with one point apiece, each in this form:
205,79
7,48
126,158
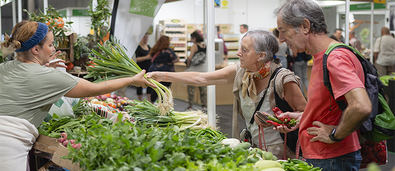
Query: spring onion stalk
113,63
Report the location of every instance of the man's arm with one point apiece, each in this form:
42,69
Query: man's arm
358,109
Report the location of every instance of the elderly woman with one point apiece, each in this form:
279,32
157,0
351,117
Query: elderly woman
251,82
29,88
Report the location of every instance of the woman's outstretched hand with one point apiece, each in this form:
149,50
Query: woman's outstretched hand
158,76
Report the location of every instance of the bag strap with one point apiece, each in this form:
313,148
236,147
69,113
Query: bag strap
281,103
154,57
342,103
264,94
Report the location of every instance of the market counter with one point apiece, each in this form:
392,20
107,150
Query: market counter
223,93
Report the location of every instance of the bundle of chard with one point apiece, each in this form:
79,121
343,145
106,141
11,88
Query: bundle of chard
276,120
113,63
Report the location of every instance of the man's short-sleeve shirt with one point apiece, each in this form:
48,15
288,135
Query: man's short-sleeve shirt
345,73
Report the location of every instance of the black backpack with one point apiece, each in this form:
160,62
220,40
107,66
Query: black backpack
381,123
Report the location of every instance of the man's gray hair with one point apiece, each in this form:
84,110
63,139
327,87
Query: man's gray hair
263,41
293,13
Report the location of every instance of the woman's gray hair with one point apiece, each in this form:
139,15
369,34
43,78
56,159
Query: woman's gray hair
264,41
293,12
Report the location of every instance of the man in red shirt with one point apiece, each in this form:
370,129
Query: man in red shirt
326,133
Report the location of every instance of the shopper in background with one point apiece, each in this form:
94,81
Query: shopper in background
337,35
243,31
300,69
282,50
221,36
354,42
384,53
163,59
143,59
250,79
29,88
327,134
197,48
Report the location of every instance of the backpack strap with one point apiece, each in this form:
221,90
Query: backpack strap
342,103
264,94
281,103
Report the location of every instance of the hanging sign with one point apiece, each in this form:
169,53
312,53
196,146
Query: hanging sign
217,3
132,20
365,6
380,1
143,7
225,4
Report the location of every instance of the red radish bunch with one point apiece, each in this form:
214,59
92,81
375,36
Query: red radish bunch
63,140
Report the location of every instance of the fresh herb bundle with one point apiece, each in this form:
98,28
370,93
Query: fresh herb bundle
113,63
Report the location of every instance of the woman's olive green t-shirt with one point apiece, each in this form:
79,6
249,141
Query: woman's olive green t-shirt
28,90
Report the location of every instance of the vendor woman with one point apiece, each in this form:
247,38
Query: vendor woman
28,88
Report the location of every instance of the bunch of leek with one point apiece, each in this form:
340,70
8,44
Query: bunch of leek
113,63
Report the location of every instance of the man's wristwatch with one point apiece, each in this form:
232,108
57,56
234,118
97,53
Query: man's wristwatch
332,136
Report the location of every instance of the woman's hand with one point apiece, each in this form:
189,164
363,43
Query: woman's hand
56,63
261,120
139,81
293,115
54,55
158,76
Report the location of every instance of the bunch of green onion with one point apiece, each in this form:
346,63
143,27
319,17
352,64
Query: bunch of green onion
113,63
147,113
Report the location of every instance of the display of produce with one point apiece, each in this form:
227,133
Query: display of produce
112,63
153,142
297,165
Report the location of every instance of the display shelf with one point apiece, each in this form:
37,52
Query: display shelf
67,45
232,43
177,31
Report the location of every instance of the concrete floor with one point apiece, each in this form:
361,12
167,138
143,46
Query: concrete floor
224,114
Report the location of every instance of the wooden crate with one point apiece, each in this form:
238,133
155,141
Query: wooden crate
57,151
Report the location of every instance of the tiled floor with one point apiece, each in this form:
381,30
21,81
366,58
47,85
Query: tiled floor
224,113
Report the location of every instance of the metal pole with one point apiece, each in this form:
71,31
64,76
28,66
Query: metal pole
337,19
13,13
45,6
19,10
1,33
346,41
371,30
211,62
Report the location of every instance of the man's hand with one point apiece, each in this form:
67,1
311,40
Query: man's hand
321,132
293,115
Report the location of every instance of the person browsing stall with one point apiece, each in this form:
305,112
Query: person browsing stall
327,135
198,50
143,59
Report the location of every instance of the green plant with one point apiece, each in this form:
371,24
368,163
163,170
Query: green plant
54,21
100,16
81,47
